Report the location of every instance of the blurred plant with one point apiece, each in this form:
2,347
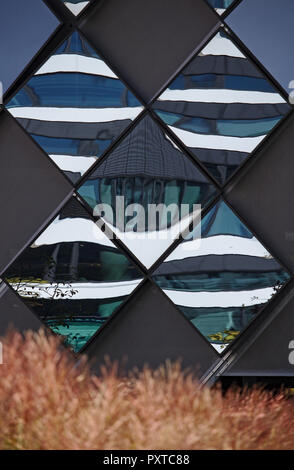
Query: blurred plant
48,401
226,336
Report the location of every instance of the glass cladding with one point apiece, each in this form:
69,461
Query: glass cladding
74,106
220,5
75,6
73,277
221,106
147,168
221,282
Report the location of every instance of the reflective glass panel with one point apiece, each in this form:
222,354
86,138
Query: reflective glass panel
147,172
74,106
73,276
221,106
75,6
220,5
222,281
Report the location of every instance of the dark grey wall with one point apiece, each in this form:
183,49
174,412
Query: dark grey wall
31,189
149,330
148,41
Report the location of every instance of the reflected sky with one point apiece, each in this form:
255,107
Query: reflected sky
73,276
269,36
32,25
221,283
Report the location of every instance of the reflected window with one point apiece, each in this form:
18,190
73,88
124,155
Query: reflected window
221,106
158,187
223,282
76,6
74,106
73,277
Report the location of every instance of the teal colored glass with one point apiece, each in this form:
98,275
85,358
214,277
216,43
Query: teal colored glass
221,106
73,277
223,280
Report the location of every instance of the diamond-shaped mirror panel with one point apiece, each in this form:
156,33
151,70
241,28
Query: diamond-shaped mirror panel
74,106
222,281
73,277
221,106
220,5
146,172
75,6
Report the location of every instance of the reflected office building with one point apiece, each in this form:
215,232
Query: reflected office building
73,276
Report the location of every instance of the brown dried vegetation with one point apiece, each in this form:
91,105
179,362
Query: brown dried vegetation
47,402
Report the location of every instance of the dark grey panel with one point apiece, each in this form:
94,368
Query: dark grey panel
269,36
148,41
13,313
25,26
31,189
150,330
272,352
263,195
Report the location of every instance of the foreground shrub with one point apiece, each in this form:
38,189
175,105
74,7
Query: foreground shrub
46,402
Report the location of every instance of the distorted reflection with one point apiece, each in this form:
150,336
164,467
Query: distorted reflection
220,5
222,284
221,106
74,106
148,168
73,276
76,6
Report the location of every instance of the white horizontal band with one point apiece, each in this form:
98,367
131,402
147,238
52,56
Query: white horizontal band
219,142
72,230
225,96
220,299
76,63
84,290
75,114
219,245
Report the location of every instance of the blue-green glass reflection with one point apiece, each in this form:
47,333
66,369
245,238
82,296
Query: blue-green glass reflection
72,276
74,106
222,281
221,106
147,168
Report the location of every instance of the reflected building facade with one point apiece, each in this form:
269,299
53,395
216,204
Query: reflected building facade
73,277
74,107
221,106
